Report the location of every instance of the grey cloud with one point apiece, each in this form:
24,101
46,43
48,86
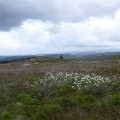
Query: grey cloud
14,12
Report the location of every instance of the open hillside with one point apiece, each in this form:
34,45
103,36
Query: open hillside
60,89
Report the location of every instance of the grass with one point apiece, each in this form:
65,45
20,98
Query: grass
26,93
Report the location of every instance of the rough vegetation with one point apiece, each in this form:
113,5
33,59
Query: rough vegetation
60,89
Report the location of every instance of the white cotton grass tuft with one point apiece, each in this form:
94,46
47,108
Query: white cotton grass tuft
79,81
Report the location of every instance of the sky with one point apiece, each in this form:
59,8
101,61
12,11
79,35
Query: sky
57,26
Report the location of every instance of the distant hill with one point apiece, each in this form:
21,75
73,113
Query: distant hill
85,55
105,55
72,54
1,57
14,58
89,55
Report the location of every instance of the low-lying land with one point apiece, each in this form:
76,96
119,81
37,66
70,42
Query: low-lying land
60,89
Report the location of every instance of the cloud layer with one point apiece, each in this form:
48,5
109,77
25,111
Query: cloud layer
35,36
13,13
50,26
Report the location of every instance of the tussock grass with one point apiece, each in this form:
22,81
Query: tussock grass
79,92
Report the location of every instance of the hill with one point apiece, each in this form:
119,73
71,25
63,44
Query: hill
65,55
49,88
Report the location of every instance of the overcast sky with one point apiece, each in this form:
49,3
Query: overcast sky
51,26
